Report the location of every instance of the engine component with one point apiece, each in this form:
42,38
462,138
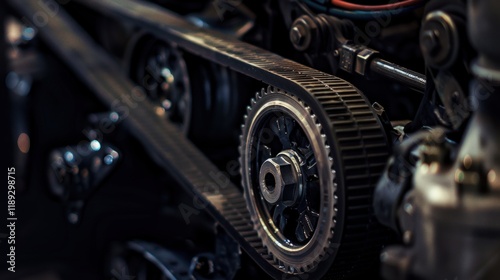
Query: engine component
359,152
397,180
289,180
304,182
162,71
215,106
303,32
447,54
326,38
453,202
146,260
439,39
311,150
193,93
483,32
76,171
454,199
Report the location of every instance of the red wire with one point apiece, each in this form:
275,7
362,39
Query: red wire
352,6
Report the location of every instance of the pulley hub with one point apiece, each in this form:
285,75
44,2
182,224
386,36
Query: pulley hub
281,178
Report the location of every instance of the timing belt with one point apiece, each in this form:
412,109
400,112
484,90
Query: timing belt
168,147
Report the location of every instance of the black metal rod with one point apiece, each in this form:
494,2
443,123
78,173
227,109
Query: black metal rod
398,73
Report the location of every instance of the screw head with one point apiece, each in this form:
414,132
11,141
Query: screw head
302,33
430,41
296,35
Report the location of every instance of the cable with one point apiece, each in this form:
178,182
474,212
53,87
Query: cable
358,15
391,6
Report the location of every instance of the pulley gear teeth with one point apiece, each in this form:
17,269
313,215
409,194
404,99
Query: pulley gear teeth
285,267
354,145
350,132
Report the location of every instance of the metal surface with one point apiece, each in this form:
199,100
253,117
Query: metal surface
303,33
363,59
398,73
187,165
75,172
287,224
163,73
169,264
322,160
484,35
439,40
449,220
165,143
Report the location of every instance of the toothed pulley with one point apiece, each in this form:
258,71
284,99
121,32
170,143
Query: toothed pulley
162,71
308,171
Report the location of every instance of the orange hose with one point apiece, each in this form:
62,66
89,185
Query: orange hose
352,6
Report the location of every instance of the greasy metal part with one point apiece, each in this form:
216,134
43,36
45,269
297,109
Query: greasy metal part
227,255
190,167
163,73
142,259
283,129
348,57
213,106
277,174
203,266
439,40
398,73
363,59
395,182
397,179
168,262
331,37
76,171
303,32
483,21
447,54
449,219
287,227
454,99
164,142
146,260
230,17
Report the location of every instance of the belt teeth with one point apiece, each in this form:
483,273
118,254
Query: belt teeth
341,104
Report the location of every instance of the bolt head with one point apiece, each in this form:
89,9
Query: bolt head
430,41
296,35
302,33
276,175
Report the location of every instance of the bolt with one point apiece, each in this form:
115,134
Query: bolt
280,177
275,174
492,176
408,208
430,41
302,33
69,157
73,218
467,161
407,237
296,35
204,266
108,159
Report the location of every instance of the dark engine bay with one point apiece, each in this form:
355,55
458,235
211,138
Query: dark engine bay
250,139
